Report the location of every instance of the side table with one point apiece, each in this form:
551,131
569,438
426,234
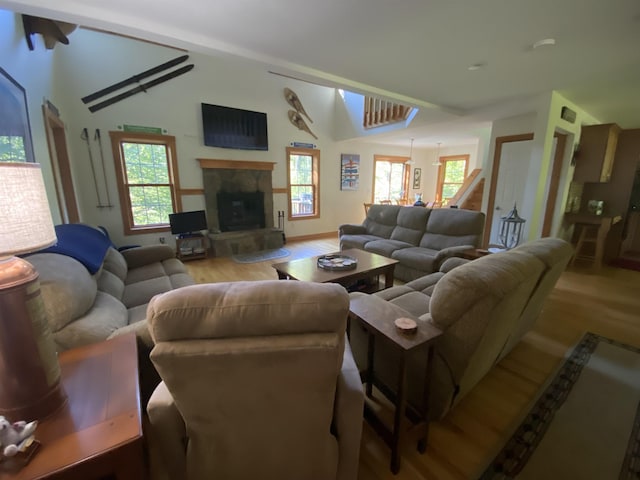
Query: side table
377,317
98,432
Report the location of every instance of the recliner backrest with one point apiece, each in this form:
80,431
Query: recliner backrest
451,227
382,219
253,368
476,306
555,254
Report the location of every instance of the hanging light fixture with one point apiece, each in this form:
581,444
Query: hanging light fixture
437,163
410,161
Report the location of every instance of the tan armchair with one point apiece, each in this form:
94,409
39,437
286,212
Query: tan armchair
258,382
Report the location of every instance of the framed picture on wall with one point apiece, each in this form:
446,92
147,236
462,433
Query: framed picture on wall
349,171
15,133
417,175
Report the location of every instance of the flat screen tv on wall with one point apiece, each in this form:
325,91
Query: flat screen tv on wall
228,127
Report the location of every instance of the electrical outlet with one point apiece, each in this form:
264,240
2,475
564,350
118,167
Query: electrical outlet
162,239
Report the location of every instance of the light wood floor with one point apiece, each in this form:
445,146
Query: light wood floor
464,442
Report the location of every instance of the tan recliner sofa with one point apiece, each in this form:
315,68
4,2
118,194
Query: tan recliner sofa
258,383
421,239
84,308
483,308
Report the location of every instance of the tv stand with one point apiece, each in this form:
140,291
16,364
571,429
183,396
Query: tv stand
191,246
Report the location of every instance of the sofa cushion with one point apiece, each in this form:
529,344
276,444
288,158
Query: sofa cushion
115,263
178,280
419,258
381,220
447,227
110,283
137,314
356,241
68,289
173,266
146,272
386,247
141,292
411,224
105,317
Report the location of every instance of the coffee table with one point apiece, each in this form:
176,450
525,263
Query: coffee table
369,265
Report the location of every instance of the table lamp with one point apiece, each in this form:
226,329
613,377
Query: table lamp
29,370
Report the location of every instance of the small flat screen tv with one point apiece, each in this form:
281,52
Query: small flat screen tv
185,223
227,127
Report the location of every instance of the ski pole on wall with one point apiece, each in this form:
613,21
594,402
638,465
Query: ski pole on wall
85,136
97,138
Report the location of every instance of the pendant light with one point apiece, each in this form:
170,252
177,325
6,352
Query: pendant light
437,163
410,161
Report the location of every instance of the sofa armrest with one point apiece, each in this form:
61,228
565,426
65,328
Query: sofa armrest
348,416
451,263
351,229
141,256
167,432
448,252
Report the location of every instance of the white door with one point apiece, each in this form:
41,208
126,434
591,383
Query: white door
512,180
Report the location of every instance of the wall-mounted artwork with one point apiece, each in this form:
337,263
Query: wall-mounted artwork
349,171
15,132
417,175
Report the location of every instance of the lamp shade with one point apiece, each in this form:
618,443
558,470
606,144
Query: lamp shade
24,209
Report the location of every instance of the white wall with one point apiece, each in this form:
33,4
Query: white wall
542,124
94,60
33,71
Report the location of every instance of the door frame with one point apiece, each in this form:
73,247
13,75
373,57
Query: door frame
61,165
493,185
392,159
552,194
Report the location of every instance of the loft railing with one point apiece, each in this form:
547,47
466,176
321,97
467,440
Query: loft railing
379,112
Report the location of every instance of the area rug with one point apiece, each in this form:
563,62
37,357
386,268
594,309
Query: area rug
586,423
260,256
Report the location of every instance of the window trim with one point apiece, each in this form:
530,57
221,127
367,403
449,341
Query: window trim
392,159
441,170
315,154
169,141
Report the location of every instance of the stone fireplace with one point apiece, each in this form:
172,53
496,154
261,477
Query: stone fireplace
239,204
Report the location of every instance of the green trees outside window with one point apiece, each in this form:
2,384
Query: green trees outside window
12,149
146,170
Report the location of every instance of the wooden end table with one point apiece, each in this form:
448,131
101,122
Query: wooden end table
369,265
98,431
377,317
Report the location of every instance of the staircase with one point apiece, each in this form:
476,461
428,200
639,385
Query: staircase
379,112
472,200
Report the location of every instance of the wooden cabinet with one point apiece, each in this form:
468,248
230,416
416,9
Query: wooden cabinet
594,161
192,247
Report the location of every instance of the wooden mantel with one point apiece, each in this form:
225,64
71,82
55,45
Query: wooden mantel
235,164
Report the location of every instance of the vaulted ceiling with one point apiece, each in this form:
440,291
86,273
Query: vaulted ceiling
463,62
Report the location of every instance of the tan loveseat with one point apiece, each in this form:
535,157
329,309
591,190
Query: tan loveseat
258,383
419,238
483,307
84,308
